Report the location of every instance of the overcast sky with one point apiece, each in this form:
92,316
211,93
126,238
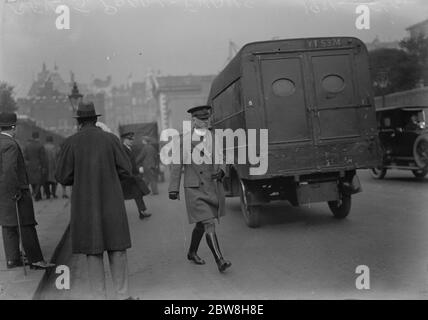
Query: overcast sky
177,37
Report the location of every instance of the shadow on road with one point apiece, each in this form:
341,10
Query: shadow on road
283,213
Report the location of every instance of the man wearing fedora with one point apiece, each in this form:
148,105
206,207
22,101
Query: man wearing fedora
36,161
134,188
94,163
203,189
16,205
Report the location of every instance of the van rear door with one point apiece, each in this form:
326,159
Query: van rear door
334,95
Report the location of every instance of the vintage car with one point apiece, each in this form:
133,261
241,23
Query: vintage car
404,140
314,96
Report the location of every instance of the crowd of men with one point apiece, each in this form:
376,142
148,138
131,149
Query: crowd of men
103,171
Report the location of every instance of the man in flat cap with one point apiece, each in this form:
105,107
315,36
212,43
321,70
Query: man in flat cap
94,163
16,205
203,189
134,188
36,161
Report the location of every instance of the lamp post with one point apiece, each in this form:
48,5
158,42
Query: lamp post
75,98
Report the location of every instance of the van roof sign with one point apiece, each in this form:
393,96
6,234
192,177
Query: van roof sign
324,43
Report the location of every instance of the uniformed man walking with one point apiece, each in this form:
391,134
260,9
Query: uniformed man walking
16,206
203,190
94,163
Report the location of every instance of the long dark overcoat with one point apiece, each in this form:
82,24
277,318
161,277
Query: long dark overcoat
14,180
205,198
94,163
135,187
36,161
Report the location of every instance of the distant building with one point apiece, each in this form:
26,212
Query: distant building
48,105
181,93
417,29
161,99
377,44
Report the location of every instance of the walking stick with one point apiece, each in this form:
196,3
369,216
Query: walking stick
17,197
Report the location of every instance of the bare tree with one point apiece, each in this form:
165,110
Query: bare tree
7,100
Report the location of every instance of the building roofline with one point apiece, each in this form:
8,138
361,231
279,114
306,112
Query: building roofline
417,24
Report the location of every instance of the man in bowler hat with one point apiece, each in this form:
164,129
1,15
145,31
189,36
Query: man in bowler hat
134,188
16,202
94,163
203,190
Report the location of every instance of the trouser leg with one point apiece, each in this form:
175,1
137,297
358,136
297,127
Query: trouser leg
31,244
11,243
119,272
153,181
37,192
46,187
53,191
140,204
96,276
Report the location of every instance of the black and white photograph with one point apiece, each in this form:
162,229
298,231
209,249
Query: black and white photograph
234,152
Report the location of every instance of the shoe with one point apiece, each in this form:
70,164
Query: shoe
41,265
65,196
144,214
195,258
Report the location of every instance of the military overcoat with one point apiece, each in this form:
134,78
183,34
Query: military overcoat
204,197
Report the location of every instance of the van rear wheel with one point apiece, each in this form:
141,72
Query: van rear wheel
341,208
378,173
420,174
251,213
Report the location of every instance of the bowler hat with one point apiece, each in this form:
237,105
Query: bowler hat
86,110
200,112
7,119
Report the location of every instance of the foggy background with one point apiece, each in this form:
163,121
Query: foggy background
172,37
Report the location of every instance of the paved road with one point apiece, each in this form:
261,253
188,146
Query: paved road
297,253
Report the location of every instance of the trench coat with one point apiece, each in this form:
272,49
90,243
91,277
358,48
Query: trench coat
94,163
135,187
14,180
51,157
204,197
35,157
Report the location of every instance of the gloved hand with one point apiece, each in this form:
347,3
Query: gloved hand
218,176
173,195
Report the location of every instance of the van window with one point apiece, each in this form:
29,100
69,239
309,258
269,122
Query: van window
283,87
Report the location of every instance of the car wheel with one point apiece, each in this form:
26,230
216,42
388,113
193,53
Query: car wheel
420,173
378,173
251,213
341,208
420,151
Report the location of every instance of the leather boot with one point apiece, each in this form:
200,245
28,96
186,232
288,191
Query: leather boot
212,242
197,235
